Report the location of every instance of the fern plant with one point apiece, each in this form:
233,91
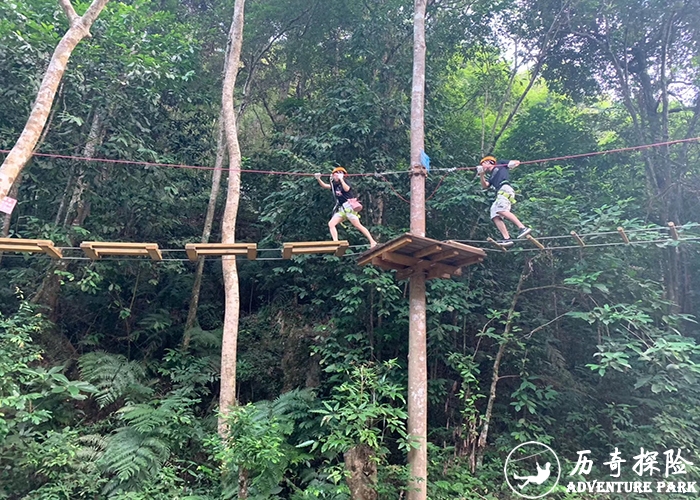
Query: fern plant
114,376
136,452
261,444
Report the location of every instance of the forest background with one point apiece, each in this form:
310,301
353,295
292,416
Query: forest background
106,391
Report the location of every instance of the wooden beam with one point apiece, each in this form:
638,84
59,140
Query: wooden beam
494,242
20,248
25,241
535,242
154,252
387,264
98,249
386,247
340,251
467,248
674,232
89,251
444,269
445,254
138,252
192,252
32,246
623,235
437,272
467,261
196,250
406,273
304,247
117,244
578,239
306,250
51,251
301,244
397,258
425,265
427,251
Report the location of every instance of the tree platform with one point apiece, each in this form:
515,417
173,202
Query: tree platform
30,246
410,254
305,247
98,249
196,250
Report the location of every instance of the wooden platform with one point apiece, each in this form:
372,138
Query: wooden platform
196,250
30,246
410,254
99,249
305,247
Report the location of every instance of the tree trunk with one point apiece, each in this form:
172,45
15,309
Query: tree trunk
206,233
362,470
50,288
483,435
23,148
417,345
77,209
229,347
7,218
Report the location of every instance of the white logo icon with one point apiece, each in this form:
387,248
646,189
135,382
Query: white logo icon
524,473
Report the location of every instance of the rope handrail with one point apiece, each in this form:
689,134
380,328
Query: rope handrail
370,174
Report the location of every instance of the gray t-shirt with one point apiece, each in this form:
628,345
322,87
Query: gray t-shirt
499,175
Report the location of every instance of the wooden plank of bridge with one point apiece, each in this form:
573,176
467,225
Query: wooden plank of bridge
196,250
98,249
534,241
308,247
30,246
497,244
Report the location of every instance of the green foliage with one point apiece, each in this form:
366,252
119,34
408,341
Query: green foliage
114,376
260,442
25,386
601,346
363,410
135,455
17,354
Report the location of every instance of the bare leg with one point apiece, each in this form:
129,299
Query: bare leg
501,227
511,217
335,220
363,230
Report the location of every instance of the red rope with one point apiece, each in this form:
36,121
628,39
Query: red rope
436,187
304,174
596,153
394,190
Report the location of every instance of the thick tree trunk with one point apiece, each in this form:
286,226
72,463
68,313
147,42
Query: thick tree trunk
7,218
23,148
417,344
362,472
229,347
206,233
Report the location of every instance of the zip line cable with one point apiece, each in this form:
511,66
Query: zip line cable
690,239
490,250
373,174
380,175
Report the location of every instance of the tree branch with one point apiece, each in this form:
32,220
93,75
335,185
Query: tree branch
93,11
72,16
